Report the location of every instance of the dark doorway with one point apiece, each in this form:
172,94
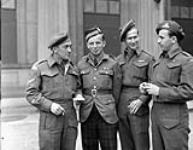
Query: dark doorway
110,25
187,43
182,12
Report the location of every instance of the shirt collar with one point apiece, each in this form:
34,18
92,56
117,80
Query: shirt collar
102,57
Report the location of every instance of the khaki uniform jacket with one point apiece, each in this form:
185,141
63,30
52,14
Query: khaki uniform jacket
136,68
48,85
173,73
105,78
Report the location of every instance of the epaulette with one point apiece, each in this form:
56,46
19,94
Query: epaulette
84,58
146,52
186,54
39,62
112,56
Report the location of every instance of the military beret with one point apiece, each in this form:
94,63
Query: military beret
128,26
92,32
173,27
58,39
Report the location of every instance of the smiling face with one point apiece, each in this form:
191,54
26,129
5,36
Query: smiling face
96,44
132,39
64,50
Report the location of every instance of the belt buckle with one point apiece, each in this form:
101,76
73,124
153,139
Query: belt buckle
94,92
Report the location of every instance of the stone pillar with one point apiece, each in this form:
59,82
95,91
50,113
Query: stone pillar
76,28
31,30
26,31
21,32
146,13
52,19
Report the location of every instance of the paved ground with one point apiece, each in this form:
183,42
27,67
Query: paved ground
19,126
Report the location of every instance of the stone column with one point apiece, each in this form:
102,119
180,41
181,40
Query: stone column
52,18
26,31
146,13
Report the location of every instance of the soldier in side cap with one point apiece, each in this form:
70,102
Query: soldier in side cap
133,108
101,78
51,87
171,87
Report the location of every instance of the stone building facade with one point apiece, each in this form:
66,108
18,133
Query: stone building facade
28,25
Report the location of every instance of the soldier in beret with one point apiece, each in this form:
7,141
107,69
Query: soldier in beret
133,107
171,87
53,84
101,78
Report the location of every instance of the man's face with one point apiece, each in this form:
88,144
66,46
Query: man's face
64,50
132,39
164,40
96,44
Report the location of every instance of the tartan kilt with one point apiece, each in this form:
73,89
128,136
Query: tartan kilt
95,130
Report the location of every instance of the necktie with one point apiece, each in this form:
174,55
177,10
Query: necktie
95,61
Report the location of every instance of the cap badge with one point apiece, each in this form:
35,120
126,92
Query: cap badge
166,25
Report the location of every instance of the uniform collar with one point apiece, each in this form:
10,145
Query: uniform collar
51,61
102,57
136,52
172,52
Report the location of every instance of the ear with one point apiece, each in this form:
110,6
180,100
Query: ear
54,49
174,39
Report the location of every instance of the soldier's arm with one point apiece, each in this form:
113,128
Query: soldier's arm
117,81
144,97
33,94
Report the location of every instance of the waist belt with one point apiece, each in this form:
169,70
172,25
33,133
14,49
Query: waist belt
63,101
129,88
93,92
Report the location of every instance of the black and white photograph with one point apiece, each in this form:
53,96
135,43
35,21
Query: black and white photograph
96,75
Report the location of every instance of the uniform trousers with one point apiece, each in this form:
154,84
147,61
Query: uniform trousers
95,130
133,132
169,135
55,133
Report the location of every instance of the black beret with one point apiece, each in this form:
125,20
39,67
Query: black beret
128,26
58,39
173,27
92,32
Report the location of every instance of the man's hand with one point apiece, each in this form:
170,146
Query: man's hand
142,87
134,106
57,109
152,89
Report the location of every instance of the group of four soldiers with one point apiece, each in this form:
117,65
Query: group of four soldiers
113,93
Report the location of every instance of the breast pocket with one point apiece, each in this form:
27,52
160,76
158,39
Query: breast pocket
140,71
86,79
173,73
72,79
105,77
49,79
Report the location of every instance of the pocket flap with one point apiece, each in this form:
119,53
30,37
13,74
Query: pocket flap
106,72
73,72
140,64
86,71
50,73
173,65
169,124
